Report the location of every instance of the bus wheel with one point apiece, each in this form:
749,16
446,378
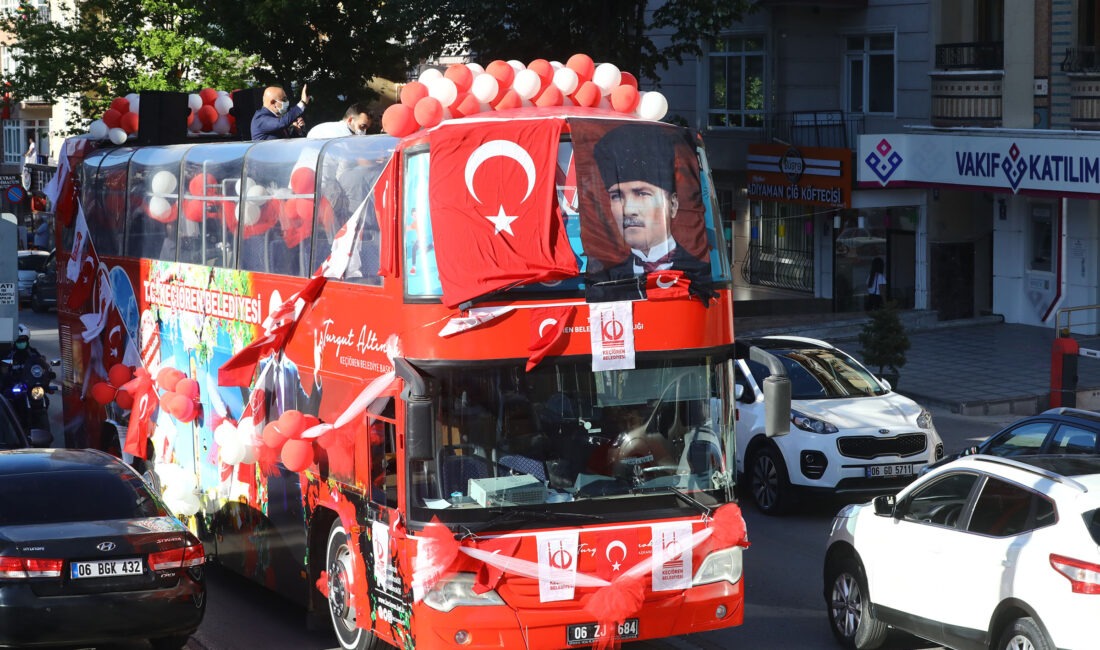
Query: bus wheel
338,563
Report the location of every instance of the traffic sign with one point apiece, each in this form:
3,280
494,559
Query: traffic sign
15,193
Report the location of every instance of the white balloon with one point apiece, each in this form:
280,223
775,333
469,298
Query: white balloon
223,93
159,207
652,106
516,65
251,214
283,193
232,452
475,68
250,454
132,97
256,191
98,130
117,135
557,65
195,126
566,80
221,125
444,90
222,104
604,103
135,102
194,100
223,432
485,88
607,76
237,187
188,505
526,84
428,75
164,182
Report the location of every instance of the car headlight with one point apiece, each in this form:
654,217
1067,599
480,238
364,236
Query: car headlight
813,425
457,591
924,420
38,392
719,565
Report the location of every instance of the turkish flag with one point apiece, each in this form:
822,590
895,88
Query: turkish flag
616,551
666,285
547,326
385,189
83,264
114,347
493,207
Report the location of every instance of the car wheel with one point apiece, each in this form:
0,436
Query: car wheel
37,305
850,617
170,642
768,482
1024,634
338,563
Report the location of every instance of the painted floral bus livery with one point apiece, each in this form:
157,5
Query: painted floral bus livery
469,388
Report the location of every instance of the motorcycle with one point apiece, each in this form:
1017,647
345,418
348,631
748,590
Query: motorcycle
27,389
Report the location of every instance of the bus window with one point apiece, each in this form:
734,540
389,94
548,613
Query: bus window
154,176
211,190
350,168
421,272
277,216
109,207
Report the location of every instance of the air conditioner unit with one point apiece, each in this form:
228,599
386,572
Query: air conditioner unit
522,489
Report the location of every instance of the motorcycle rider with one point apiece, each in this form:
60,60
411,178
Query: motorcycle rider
22,351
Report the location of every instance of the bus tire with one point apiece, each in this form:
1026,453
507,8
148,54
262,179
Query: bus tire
338,565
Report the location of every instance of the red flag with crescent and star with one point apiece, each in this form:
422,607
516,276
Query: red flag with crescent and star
493,207
666,285
547,326
83,265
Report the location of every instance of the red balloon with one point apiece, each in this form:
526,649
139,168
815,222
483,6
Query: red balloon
111,118
124,400
503,73
290,423
103,393
544,70
550,97
297,455
461,75
326,215
583,65
168,377
588,94
193,210
399,121
207,115
119,374
273,436
188,387
165,400
510,100
466,104
299,210
305,212
200,185
624,98
413,92
121,104
302,180
208,95
182,408
629,80
129,122
428,112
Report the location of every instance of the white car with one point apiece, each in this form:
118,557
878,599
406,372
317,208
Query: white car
984,552
31,263
850,433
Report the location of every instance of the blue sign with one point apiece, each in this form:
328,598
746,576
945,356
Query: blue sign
15,193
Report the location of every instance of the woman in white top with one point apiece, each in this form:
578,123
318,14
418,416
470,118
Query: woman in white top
876,284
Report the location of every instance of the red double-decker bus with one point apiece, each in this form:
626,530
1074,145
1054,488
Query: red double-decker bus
470,388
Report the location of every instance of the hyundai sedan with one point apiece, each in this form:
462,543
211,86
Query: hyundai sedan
89,555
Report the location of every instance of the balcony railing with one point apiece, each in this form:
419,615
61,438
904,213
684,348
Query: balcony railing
825,128
1081,59
988,55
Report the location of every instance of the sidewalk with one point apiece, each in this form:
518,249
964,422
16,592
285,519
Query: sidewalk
972,367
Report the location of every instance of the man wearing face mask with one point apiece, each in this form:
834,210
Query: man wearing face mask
357,121
277,119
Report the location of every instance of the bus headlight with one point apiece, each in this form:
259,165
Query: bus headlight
719,565
458,591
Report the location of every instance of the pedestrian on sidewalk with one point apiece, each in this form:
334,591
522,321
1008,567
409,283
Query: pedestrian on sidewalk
876,283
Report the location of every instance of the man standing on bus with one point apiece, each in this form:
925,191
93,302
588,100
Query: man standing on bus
277,119
357,121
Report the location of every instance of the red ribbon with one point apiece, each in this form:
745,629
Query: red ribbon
615,603
728,527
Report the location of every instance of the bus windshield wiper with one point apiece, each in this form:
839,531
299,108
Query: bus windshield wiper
517,513
690,500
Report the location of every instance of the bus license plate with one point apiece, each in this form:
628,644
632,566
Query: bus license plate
890,471
589,633
106,568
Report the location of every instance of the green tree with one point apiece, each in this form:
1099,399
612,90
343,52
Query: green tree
619,31
100,49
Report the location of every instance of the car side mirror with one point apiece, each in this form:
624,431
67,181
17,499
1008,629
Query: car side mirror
884,505
738,392
969,451
55,362
41,438
885,384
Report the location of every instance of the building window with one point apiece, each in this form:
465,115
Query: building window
736,82
870,73
18,132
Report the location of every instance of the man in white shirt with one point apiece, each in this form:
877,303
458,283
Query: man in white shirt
357,121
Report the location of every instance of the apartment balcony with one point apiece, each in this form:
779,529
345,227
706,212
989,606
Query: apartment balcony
1082,66
968,84
824,128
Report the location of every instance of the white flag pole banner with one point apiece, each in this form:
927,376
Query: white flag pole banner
557,565
672,546
611,326
380,536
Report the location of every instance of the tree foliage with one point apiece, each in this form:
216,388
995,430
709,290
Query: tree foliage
623,32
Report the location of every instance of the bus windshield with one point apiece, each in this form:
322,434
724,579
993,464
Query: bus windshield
562,434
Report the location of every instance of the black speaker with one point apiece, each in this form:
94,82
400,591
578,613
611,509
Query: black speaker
245,104
162,117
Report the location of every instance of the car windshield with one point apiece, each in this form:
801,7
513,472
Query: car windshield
35,263
70,496
562,434
820,373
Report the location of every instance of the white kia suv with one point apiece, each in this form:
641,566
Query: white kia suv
983,552
850,433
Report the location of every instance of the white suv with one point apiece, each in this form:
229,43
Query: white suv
984,552
850,434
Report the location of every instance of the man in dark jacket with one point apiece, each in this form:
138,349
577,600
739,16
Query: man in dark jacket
277,119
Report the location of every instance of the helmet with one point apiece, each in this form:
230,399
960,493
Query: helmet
23,331
23,337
